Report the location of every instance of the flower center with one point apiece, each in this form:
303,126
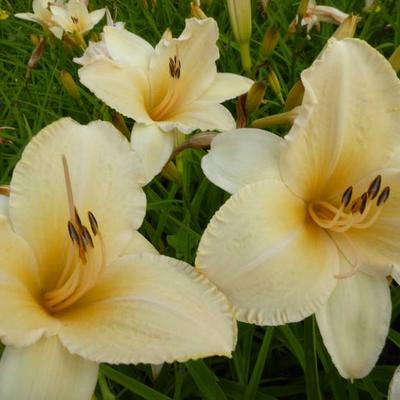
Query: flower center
84,263
159,112
359,213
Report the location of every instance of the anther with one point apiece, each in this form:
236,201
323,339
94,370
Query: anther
77,218
74,20
93,223
86,237
73,234
374,187
356,205
363,202
383,196
347,194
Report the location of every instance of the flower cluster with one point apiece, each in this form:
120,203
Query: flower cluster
312,226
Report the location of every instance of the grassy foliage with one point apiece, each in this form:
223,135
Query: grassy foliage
288,362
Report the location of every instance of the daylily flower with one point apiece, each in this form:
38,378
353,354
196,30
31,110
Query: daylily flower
313,225
316,14
75,18
43,16
168,90
78,284
394,387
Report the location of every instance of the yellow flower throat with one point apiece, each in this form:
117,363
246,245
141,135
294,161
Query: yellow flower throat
83,265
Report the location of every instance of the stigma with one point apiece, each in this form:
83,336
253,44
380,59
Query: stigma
353,213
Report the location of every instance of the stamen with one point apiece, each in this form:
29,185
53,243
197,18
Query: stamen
383,196
86,237
74,20
374,187
73,234
363,202
68,186
93,223
78,219
346,198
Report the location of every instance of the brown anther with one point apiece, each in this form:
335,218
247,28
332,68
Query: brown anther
93,223
175,67
383,196
363,202
73,234
374,187
78,219
86,237
346,197
74,20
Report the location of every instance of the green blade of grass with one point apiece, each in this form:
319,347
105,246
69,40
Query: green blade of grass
252,387
205,380
132,384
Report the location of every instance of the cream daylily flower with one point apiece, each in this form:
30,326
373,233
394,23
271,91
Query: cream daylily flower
394,387
43,16
171,88
75,18
316,14
78,284
314,224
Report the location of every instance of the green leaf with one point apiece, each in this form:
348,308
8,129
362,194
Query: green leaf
205,380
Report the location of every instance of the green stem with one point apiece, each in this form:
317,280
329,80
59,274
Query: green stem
245,55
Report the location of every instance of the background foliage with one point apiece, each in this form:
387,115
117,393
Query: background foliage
288,362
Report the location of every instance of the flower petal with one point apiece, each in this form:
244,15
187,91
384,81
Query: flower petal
157,310
153,146
46,370
226,86
200,115
106,176
266,258
138,244
394,387
122,88
242,156
4,206
95,17
22,319
354,323
197,50
336,139
127,48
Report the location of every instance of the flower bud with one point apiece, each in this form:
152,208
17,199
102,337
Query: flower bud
196,11
240,17
37,54
347,28
303,7
271,39
4,14
395,60
273,82
119,122
255,96
34,39
285,118
69,84
295,96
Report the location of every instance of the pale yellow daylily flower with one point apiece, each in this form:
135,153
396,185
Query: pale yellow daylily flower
394,386
171,88
314,224
316,14
78,284
43,16
74,17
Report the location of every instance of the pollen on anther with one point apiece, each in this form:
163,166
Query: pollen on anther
374,187
93,223
73,234
363,202
347,194
383,196
86,237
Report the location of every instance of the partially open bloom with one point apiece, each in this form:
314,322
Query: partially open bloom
75,18
313,225
316,14
43,16
78,284
171,89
